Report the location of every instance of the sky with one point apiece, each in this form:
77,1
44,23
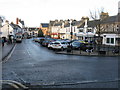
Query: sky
34,12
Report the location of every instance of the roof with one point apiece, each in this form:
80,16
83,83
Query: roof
58,23
45,24
92,23
51,23
14,25
110,19
74,23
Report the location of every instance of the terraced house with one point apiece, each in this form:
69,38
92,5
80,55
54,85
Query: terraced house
110,31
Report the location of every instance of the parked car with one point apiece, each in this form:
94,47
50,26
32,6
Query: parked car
59,45
28,37
76,45
41,40
87,46
36,39
45,43
50,45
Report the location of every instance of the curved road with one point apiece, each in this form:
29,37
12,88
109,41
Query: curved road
32,63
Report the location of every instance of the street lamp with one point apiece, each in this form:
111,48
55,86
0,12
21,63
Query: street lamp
71,33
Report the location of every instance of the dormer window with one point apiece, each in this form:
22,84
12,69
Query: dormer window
89,30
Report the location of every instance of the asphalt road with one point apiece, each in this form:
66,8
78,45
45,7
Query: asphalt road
34,64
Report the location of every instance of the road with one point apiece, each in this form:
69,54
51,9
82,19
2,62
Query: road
34,64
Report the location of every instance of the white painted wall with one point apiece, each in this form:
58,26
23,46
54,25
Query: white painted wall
105,36
5,31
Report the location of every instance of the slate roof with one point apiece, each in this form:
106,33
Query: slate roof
58,23
45,24
14,25
110,19
51,23
74,23
90,24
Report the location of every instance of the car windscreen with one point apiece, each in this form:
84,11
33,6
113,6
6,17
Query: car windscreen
56,43
18,37
63,43
76,43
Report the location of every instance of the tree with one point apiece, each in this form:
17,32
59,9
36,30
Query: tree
97,17
40,33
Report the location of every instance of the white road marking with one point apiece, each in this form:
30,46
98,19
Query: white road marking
18,77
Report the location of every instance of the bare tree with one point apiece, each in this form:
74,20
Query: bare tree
96,13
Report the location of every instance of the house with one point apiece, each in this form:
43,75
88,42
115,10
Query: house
1,21
110,30
32,31
67,29
10,29
44,27
87,29
55,29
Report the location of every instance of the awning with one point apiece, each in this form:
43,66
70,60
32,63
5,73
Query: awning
54,34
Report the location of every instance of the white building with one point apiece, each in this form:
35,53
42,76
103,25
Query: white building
10,29
87,30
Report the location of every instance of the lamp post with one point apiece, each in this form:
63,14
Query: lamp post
71,33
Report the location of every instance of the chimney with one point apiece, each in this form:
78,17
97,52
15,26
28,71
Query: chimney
104,15
17,20
56,20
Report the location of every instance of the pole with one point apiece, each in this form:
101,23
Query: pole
71,29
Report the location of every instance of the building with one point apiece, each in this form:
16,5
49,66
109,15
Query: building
66,29
32,31
10,29
45,27
110,31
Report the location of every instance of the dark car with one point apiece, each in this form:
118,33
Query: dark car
86,47
45,43
76,45
41,40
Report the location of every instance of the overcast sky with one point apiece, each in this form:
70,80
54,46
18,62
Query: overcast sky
34,12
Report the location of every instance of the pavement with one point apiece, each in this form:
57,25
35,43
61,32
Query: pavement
84,53
6,49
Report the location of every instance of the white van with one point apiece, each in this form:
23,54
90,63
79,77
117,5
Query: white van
19,38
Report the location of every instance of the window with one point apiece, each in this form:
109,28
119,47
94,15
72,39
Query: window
108,40
112,40
89,30
80,30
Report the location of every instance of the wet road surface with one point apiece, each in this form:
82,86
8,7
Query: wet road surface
32,63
